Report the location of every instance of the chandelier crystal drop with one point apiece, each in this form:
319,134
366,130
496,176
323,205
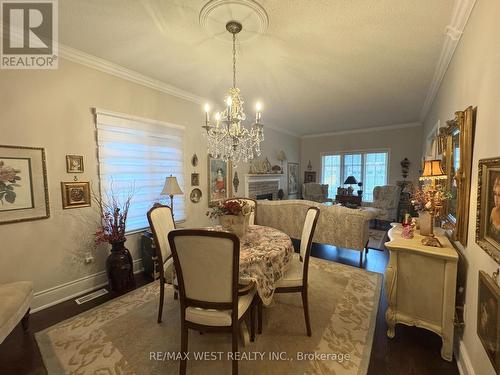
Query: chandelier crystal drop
227,137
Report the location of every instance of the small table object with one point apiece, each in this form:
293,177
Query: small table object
420,283
350,199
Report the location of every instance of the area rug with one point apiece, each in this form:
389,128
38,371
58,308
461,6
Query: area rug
122,336
377,239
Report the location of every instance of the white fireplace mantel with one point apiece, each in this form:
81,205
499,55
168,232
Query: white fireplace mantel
249,178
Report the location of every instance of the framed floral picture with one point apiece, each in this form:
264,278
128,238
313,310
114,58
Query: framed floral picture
219,183
488,207
74,164
75,194
23,184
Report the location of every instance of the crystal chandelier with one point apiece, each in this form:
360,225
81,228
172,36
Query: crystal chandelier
227,137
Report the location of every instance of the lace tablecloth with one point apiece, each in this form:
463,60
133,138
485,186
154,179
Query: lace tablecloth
265,255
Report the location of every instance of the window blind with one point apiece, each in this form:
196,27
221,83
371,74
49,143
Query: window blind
137,154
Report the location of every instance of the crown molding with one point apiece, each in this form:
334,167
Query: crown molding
119,71
365,130
453,33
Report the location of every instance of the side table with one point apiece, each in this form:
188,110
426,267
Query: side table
420,283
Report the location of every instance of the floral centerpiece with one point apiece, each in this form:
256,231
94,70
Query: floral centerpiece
119,266
429,202
233,215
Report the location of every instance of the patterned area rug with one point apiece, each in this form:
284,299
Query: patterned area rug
377,239
122,336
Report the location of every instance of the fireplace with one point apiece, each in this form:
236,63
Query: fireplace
268,196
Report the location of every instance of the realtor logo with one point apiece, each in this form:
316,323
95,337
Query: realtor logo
29,34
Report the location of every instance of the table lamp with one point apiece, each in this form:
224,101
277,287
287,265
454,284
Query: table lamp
171,188
432,171
281,158
351,180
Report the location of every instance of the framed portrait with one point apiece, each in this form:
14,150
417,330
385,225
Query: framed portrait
23,184
488,318
309,176
75,194
293,178
219,180
195,195
74,164
195,179
488,207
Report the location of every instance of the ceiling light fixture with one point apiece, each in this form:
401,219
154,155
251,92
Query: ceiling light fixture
227,137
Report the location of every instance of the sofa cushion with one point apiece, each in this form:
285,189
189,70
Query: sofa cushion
15,301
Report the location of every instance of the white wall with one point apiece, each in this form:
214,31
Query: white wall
473,78
53,109
401,143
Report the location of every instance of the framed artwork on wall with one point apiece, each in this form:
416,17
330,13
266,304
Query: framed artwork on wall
195,179
75,194
488,207
309,176
23,184
219,180
293,178
74,164
488,317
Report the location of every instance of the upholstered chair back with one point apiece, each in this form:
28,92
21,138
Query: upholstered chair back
308,232
162,222
206,263
252,203
386,197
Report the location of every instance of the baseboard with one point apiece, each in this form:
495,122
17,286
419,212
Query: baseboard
72,289
463,361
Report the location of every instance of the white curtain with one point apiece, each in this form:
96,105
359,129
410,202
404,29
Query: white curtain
136,155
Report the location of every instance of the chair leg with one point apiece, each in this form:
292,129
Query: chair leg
162,295
259,315
176,295
305,304
234,349
25,322
184,349
252,320
361,258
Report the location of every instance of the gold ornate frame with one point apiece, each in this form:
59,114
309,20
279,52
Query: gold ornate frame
67,199
487,243
464,124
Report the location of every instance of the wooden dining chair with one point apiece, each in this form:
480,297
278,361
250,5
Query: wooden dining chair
207,267
295,279
162,222
252,203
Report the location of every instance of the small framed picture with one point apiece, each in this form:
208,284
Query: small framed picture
195,179
309,176
74,164
75,194
488,318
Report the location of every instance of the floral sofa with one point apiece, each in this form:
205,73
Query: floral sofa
339,226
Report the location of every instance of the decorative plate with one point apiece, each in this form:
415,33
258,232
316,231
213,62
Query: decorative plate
195,195
194,160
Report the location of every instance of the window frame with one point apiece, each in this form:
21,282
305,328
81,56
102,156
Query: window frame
363,153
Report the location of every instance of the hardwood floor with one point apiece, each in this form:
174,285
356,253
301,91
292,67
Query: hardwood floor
412,351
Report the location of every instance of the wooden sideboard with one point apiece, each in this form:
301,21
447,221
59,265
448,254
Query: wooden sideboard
420,283
352,199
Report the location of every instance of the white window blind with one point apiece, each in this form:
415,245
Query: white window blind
138,154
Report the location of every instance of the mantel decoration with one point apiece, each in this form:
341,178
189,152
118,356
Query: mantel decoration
233,214
429,200
228,139
119,266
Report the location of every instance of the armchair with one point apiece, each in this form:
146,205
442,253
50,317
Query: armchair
315,192
386,200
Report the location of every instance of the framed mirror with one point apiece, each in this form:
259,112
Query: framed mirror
455,143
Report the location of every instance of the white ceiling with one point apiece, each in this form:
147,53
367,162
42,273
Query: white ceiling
321,65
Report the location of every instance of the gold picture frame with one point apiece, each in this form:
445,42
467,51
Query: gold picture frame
74,164
488,207
456,143
75,194
219,183
24,193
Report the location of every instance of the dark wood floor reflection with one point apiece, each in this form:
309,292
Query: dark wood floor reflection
412,351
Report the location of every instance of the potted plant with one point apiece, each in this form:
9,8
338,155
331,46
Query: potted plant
234,215
119,266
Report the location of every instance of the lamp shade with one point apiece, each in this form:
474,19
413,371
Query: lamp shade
432,170
281,155
171,187
351,180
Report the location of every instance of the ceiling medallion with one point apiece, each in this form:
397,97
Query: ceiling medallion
213,17
227,137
